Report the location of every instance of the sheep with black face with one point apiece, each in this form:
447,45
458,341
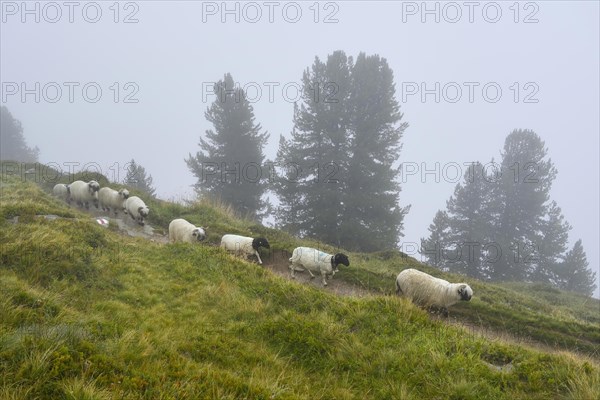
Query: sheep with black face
244,245
309,259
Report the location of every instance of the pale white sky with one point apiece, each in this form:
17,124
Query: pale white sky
164,54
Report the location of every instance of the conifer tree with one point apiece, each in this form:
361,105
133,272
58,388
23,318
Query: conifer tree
314,158
343,186
373,218
229,166
573,273
470,218
523,233
137,178
12,142
434,248
521,198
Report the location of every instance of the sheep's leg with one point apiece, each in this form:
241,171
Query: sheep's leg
312,276
295,268
258,256
323,276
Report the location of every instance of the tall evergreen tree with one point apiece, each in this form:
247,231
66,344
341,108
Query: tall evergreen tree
462,234
315,157
373,218
470,217
435,246
346,142
137,178
12,142
522,202
573,273
552,244
229,165
523,232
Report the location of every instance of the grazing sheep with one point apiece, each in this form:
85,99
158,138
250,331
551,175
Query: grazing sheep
182,231
136,208
111,199
62,191
245,245
309,259
426,290
84,193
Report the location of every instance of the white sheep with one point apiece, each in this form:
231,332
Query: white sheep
136,208
244,245
62,191
84,193
111,199
181,230
309,259
426,290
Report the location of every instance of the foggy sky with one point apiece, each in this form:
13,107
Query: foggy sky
175,50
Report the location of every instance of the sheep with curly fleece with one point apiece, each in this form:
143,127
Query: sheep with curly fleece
110,199
427,291
309,259
84,193
244,245
181,230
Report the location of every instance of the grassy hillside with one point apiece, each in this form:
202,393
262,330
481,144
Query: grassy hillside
88,313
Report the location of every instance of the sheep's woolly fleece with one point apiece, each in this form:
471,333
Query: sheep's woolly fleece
426,290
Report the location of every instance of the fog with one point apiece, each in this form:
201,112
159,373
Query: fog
96,85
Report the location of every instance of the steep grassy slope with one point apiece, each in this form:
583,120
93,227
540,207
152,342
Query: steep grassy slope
87,313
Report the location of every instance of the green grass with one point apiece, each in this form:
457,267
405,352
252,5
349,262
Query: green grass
86,313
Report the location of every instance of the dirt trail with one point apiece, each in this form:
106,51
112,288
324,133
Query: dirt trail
278,262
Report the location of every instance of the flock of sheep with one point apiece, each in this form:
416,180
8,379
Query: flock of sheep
86,193
423,289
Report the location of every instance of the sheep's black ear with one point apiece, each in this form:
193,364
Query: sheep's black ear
194,233
140,209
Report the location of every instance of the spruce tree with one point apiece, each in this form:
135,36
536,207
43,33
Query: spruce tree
346,142
521,198
573,273
523,233
314,160
373,218
229,166
12,142
470,215
552,245
137,178
435,247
